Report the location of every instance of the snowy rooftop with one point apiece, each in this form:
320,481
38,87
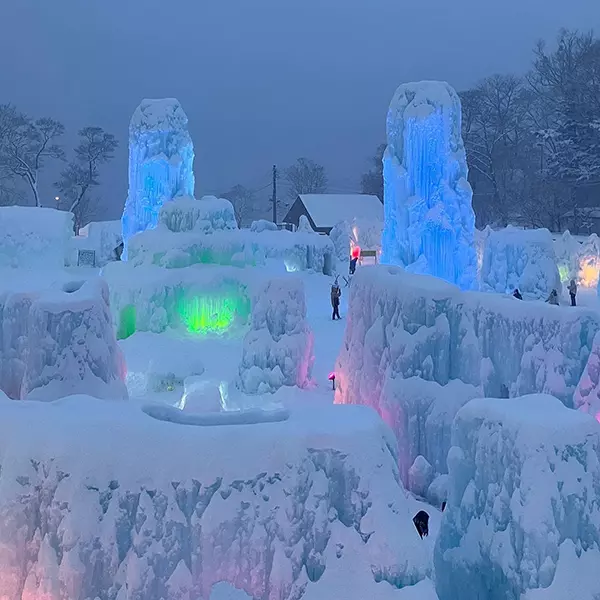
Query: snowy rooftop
328,209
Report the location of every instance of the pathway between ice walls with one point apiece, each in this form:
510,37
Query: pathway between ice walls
429,221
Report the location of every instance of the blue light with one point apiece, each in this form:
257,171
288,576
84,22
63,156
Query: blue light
429,221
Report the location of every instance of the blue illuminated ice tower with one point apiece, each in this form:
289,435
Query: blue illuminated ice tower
161,159
429,221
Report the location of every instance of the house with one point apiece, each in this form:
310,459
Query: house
324,211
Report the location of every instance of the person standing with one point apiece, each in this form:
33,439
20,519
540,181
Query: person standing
573,292
336,294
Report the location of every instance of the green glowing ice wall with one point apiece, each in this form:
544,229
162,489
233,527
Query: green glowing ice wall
213,311
127,320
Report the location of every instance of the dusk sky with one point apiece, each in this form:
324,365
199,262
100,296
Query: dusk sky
262,81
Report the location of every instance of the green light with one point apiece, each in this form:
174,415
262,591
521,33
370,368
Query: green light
213,312
563,271
127,321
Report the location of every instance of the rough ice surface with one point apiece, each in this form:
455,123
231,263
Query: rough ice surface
34,238
429,222
161,158
278,349
522,519
364,233
207,215
60,341
225,591
201,299
417,349
587,394
520,258
420,476
158,513
578,258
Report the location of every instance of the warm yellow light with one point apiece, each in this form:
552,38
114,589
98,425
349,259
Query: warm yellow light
588,272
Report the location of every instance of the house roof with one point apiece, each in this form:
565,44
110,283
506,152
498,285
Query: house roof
326,210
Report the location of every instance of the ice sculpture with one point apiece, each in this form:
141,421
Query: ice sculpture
429,221
522,519
278,350
161,157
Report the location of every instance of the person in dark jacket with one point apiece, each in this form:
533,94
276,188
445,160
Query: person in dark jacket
517,294
573,292
336,294
421,521
353,265
553,298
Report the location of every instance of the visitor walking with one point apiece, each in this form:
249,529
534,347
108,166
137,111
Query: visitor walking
517,294
353,265
336,294
573,292
553,298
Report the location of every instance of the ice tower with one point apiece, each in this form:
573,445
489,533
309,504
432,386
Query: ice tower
161,157
429,221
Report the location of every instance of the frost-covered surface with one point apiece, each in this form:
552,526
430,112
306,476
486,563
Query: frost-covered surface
403,326
587,394
60,341
150,298
299,251
522,511
429,221
206,215
34,238
278,349
279,510
225,591
328,209
102,237
161,158
520,258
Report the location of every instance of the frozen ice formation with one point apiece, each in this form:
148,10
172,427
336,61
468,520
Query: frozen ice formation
161,158
429,221
520,258
522,516
587,394
34,238
225,591
180,240
103,237
417,349
364,233
278,349
166,512
60,341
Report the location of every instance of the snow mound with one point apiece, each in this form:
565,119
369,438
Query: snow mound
102,237
34,238
60,341
520,258
417,349
278,349
587,394
166,510
522,515
224,591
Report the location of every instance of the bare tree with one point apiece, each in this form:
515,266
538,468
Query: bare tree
26,145
372,181
243,202
95,148
305,177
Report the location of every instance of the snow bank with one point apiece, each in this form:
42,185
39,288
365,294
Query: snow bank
201,299
101,237
167,509
60,341
34,238
520,258
587,394
403,326
278,349
522,514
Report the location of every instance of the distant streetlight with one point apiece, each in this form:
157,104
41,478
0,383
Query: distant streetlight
57,200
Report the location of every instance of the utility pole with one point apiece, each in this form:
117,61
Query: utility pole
274,199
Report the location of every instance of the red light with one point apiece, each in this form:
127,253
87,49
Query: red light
356,252
331,376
